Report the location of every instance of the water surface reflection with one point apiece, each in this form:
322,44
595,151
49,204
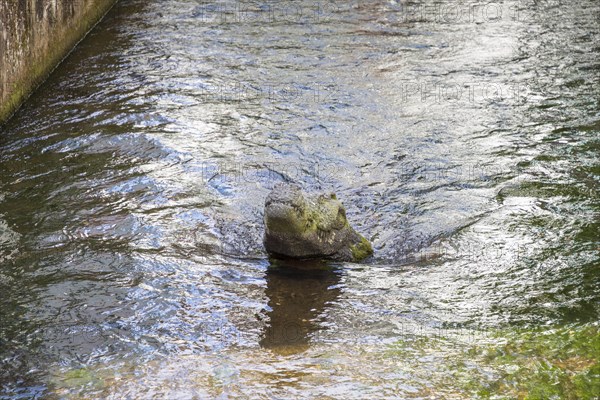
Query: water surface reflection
298,294
133,184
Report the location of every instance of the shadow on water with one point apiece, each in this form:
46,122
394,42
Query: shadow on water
299,292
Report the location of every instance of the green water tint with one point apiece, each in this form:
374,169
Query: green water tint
562,363
540,364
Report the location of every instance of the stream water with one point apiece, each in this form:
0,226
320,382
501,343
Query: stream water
463,139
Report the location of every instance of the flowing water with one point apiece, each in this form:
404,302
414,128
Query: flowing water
463,139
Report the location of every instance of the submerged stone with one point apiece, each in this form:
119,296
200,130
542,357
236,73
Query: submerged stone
303,226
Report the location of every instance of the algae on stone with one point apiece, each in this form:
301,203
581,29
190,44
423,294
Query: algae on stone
300,226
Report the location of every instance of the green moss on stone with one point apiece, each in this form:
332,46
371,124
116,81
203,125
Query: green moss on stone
40,62
318,221
361,250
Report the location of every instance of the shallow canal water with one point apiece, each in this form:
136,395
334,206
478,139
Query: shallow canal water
462,137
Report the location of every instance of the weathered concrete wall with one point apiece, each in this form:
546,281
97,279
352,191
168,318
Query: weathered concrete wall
35,35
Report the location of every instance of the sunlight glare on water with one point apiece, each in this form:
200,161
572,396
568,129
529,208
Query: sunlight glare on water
463,142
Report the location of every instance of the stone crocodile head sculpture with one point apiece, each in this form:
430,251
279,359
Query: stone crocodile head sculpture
302,226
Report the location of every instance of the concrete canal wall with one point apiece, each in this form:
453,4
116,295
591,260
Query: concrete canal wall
35,35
